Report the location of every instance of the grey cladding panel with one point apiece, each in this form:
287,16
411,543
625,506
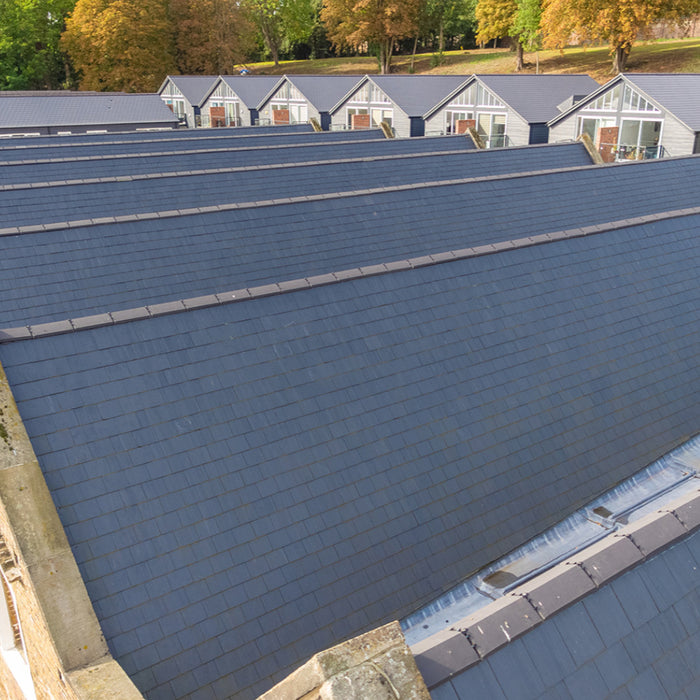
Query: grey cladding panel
260,480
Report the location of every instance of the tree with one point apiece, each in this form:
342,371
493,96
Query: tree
617,22
379,23
30,54
497,19
526,25
282,22
211,36
120,44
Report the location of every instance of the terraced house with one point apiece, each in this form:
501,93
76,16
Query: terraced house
637,116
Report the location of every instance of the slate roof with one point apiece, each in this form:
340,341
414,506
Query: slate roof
194,88
120,195
343,424
150,135
536,97
83,110
638,636
678,93
91,267
416,95
251,89
247,483
324,91
215,138
216,155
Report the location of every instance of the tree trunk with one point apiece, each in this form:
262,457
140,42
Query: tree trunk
413,54
385,51
441,38
519,62
620,56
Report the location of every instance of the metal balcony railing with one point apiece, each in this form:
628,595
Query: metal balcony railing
621,152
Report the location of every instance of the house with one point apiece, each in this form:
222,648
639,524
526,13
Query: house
233,435
39,113
184,94
298,98
234,100
637,116
399,100
507,110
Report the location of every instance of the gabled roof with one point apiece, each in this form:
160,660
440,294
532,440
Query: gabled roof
678,93
251,89
324,91
194,88
415,95
83,110
536,97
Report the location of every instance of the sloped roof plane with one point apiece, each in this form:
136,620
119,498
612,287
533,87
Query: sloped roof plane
194,88
675,92
251,89
536,97
84,110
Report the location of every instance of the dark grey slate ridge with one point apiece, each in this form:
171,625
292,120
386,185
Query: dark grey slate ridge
55,150
212,190
108,319
544,596
126,264
245,484
131,136
208,158
637,637
563,150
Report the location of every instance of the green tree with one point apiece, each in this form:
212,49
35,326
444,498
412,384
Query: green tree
378,23
120,44
526,25
282,23
617,22
30,53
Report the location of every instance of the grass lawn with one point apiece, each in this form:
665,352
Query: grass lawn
661,56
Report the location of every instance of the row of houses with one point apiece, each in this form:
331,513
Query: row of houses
633,116
266,389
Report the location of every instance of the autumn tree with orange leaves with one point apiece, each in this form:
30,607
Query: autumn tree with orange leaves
122,45
377,23
618,22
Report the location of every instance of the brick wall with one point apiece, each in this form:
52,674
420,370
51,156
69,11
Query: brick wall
41,655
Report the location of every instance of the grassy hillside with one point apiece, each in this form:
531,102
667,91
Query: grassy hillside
661,56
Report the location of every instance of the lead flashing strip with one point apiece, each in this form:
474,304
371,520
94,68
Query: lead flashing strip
111,318
444,655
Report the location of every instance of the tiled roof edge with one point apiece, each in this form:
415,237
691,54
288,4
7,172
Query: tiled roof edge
112,156
457,648
173,213
9,335
267,166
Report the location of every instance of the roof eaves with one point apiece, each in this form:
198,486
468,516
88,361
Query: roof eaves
345,97
447,99
585,101
272,91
